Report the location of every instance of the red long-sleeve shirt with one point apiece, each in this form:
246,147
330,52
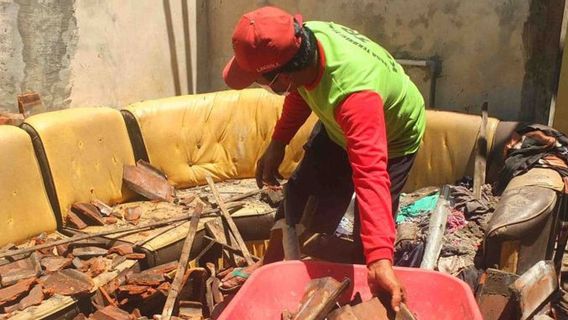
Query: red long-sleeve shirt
361,118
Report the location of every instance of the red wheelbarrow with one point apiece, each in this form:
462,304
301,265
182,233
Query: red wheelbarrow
279,286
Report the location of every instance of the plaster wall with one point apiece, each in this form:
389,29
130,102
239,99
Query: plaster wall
480,43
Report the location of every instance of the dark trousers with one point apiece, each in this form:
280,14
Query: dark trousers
325,173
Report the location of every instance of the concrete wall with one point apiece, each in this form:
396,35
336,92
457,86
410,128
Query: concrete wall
482,44
94,52
114,52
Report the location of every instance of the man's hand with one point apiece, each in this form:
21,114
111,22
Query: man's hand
381,278
267,166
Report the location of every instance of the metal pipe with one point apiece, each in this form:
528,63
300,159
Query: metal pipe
435,66
436,229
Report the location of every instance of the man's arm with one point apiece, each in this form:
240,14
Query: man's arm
294,114
361,118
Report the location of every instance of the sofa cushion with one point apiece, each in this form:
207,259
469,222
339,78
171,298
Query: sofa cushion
83,151
447,152
25,211
222,134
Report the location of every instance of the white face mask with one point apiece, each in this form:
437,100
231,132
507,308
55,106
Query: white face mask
268,87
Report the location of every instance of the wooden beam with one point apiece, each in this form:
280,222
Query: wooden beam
232,226
182,265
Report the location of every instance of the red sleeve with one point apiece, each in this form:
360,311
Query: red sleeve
294,114
361,118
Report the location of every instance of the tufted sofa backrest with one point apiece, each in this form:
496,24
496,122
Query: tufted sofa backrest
222,134
25,210
82,152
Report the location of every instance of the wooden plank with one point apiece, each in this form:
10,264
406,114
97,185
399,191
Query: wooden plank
216,229
535,287
230,222
481,155
183,262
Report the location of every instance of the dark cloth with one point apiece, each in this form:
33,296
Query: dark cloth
325,173
410,255
536,142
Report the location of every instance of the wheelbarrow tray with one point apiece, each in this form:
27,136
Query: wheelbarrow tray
280,286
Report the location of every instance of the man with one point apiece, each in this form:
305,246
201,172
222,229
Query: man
372,121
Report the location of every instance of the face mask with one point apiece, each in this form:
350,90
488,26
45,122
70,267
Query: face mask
269,89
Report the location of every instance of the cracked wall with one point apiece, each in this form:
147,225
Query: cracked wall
92,52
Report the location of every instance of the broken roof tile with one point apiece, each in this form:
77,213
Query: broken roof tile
68,282
12,293
54,263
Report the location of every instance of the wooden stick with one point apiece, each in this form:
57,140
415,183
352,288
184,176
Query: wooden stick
230,222
228,247
182,265
244,195
481,155
11,253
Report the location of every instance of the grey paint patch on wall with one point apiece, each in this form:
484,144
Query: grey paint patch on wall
48,30
11,64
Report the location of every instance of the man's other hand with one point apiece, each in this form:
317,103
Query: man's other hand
267,166
381,279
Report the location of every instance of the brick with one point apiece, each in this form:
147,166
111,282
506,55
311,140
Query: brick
148,182
34,298
87,252
54,263
22,269
145,279
30,103
97,266
104,209
133,214
111,313
68,282
110,220
135,256
121,249
74,221
12,293
133,289
163,268
88,213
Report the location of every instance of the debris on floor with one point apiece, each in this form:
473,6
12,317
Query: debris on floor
464,233
69,269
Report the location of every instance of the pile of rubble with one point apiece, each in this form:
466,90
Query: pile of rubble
59,265
66,270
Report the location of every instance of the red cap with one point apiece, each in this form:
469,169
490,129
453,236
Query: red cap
263,40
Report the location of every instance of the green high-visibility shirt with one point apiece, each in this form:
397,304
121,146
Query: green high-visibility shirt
354,63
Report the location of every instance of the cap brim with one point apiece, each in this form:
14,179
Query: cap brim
236,77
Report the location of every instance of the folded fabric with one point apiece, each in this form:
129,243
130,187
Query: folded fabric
421,206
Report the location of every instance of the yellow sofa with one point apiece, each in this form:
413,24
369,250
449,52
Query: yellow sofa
224,133
26,212
77,155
